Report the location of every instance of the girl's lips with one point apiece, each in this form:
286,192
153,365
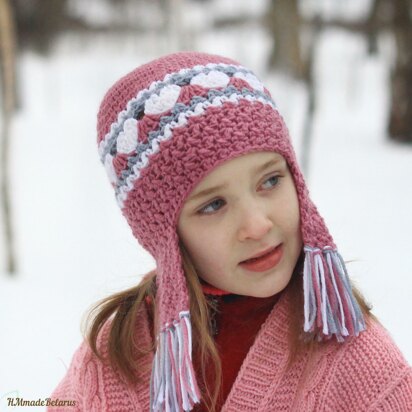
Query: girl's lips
258,255
265,262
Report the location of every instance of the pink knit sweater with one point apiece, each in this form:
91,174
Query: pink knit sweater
368,373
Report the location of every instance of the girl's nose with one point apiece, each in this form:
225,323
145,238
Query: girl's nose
254,223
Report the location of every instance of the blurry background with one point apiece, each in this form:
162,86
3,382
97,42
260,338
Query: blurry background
341,74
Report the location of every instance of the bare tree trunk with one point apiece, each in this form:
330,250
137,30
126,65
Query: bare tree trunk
400,120
311,89
7,71
283,22
372,25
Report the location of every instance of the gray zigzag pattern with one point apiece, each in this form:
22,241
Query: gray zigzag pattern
137,107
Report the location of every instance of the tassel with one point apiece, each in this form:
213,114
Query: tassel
329,305
173,385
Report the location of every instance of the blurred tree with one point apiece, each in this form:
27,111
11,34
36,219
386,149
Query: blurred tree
289,56
376,18
38,22
308,77
34,25
283,21
7,82
400,117
393,16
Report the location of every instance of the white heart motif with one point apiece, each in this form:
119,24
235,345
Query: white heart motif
164,101
251,79
127,139
108,164
213,79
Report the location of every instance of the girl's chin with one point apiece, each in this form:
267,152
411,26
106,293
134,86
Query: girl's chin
256,292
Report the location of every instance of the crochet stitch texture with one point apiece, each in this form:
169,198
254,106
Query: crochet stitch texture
161,129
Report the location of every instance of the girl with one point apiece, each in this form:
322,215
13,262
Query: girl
250,307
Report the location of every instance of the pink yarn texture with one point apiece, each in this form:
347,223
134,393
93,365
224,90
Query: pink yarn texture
368,373
161,129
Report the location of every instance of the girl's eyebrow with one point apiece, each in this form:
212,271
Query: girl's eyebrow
213,189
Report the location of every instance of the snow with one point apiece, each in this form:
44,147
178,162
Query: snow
74,247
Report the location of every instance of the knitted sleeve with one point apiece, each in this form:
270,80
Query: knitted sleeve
398,396
79,387
95,386
369,374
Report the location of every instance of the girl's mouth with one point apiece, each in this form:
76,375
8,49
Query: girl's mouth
265,262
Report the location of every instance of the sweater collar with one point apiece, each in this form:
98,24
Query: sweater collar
267,357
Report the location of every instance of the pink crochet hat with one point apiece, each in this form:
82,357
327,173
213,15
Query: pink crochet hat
161,129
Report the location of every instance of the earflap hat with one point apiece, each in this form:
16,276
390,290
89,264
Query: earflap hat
161,129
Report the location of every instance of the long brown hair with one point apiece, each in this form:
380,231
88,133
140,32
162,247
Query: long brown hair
124,306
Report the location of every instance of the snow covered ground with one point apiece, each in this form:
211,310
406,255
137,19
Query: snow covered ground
74,247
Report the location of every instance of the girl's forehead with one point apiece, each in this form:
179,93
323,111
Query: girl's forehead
253,162
250,163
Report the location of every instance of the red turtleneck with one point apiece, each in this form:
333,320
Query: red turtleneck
238,320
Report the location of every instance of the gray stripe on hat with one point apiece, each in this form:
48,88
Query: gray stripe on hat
136,105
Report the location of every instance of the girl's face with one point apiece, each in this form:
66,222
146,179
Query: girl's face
255,208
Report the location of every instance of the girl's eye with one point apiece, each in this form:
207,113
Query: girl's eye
275,177
209,208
